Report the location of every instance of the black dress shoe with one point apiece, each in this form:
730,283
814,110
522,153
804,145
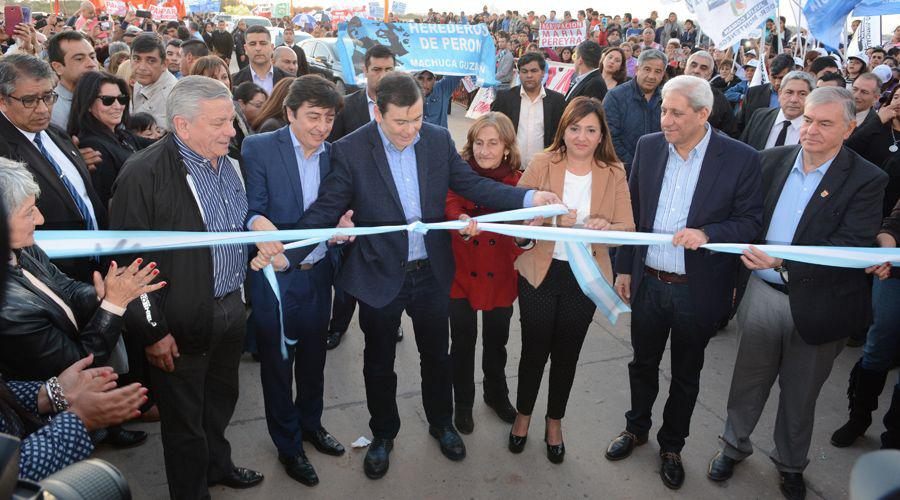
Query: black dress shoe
324,442
334,339
399,334
122,438
240,478
377,458
452,445
463,420
299,469
503,409
621,447
792,486
671,471
721,467
556,453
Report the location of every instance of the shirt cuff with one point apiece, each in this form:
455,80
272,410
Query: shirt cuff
112,308
528,202
250,222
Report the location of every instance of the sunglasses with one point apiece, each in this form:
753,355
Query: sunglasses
108,100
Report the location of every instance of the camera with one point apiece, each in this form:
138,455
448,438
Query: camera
92,479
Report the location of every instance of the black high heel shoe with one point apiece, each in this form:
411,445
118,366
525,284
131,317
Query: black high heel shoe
556,453
516,443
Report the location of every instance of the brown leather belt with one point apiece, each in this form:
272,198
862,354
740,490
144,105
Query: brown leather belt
667,278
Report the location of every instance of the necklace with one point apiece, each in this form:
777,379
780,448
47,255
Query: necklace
893,147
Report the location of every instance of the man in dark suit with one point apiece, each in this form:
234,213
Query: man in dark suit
302,63
866,91
284,169
771,127
222,43
261,70
536,117
398,170
68,200
704,189
588,80
359,109
795,317
765,95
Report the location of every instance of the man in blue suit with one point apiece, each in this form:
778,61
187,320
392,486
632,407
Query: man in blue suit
397,170
284,169
703,187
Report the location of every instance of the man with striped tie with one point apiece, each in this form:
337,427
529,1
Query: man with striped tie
67,200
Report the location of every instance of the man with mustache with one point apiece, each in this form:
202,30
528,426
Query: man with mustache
153,83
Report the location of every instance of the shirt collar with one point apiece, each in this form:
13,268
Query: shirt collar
268,74
823,169
524,94
390,146
699,150
795,123
298,146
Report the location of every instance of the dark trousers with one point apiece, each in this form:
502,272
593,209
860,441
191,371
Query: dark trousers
658,309
342,311
426,302
196,402
464,333
306,306
555,318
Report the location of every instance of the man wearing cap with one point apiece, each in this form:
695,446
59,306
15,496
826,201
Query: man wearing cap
130,33
737,92
437,95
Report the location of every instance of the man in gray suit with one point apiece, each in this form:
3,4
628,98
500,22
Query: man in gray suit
771,127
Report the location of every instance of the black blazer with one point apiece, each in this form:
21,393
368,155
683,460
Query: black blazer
827,303
593,85
245,76
727,205
55,202
113,151
374,269
757,97
757,131
354,115
509,103
871,140
721,116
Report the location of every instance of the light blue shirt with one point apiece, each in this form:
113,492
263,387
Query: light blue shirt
675,196
267,82
798,189
310,178
406,178
773,100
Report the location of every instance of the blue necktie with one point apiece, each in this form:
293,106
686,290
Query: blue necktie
79,202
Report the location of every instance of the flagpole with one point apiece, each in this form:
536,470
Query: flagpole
386,10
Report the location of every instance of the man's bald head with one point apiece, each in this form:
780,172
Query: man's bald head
286,60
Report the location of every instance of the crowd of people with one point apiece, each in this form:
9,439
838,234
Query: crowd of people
137,125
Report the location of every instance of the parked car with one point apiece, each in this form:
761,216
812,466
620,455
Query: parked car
323,59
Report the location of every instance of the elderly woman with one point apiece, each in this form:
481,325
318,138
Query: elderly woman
49,321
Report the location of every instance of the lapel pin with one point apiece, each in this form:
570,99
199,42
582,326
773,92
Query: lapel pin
824,193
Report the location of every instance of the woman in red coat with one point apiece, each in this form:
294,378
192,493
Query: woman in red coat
485,278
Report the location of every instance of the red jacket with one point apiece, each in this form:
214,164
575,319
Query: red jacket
484,265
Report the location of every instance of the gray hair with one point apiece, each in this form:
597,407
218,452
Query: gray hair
828,95
799,75
16,184
652,55
188,93
118,47
696,90
871,76
16,66
703,53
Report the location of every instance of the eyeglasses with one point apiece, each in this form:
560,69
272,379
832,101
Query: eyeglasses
30,101
107,100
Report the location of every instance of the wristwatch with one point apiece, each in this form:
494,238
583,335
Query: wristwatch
783,272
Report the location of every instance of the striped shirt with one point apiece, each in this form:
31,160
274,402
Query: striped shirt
675,196
223,205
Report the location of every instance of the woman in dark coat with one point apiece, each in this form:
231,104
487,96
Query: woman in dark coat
879,142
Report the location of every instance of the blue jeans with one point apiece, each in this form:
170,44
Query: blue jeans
883,339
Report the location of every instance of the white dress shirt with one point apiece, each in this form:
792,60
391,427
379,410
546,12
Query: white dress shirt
152,98
371,105
266,81
530,132
577,195
793,132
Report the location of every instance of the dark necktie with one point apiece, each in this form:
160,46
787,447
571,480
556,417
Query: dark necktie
783,134
79,202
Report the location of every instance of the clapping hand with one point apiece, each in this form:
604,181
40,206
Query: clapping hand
122,285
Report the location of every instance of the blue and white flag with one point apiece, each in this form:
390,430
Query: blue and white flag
445,49
876,8
728,22
827,18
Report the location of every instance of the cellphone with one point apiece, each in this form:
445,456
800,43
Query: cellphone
603,21
105,25
142,13
13,16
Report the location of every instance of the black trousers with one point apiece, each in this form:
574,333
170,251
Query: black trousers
555,318
196,402
426,302
341,311
658,309
463,334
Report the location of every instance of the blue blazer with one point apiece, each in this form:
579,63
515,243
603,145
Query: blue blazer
374,268
274,191
727,205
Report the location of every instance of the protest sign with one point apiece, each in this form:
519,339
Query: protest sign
162,13
868,34
728,22
567,34
116,7
481,105
444,49
376,10
398,8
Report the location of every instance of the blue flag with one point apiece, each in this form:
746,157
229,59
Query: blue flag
826,19
444,49
876,8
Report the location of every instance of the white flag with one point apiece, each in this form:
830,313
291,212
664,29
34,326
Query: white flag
728,22
868,34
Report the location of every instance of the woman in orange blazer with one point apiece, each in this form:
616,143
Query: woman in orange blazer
582,168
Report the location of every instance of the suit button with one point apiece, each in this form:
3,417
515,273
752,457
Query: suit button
490,275
473,274
492,242
475,242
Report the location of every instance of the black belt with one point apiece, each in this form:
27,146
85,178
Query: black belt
415,265
667,278
781,288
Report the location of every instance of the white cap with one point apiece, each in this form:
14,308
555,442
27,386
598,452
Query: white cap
882,71
861,56
751,51
753,63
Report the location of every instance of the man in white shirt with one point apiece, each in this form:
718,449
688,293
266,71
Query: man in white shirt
153,83
772,127
866,91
